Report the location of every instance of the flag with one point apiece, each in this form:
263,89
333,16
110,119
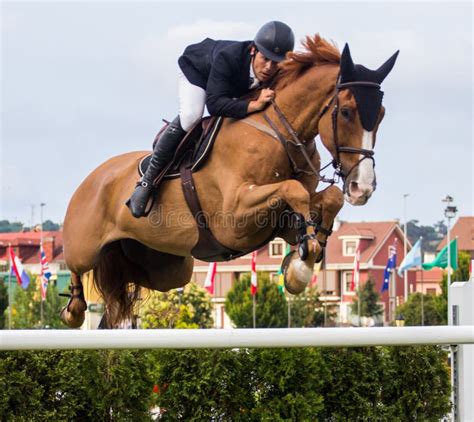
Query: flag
314,277
355,271
17,267
281,276
45,273
211,275
253,278
391,264
412,259
441,259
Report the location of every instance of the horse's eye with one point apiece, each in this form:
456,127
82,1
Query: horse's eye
346,113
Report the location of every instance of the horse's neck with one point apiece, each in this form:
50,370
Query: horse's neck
303,99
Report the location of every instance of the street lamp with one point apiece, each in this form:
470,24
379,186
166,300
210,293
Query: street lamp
449,212
400,321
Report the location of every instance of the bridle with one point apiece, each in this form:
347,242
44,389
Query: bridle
336,162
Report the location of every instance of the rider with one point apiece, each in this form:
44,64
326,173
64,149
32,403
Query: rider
216,74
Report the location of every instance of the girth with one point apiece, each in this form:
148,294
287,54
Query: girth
208,248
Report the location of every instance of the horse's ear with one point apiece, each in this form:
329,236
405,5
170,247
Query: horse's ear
384,70
347,65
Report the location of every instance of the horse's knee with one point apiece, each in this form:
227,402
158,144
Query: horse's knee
334,198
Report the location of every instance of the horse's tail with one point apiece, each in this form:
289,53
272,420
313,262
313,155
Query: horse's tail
117,279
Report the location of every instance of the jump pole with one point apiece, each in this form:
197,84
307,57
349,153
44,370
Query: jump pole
233,338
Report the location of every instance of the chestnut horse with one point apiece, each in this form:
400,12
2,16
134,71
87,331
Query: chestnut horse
249,178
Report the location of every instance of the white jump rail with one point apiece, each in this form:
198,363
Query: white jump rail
233,338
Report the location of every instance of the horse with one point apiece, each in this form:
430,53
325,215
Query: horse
261,168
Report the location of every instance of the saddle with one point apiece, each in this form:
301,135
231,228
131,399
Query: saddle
195,147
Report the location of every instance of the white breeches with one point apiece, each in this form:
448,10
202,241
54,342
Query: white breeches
192,100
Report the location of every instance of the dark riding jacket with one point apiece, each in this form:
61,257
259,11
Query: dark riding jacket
222,69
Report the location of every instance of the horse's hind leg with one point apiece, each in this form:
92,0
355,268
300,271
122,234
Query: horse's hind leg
73,314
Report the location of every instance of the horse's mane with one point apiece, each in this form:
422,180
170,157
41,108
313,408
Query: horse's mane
317,51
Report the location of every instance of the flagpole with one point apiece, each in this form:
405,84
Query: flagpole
9,288
422,281
216,310
405,273
358,304
422,300
254,311
42,204
325,298
289,310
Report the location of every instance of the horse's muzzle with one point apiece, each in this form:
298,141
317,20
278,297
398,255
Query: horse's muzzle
358,193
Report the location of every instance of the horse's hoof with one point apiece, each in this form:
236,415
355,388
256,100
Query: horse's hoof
74,313
297,275
72,320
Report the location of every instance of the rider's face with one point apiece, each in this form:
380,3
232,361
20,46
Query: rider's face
263,68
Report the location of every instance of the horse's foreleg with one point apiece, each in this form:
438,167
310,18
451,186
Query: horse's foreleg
325,206
252,200
73,314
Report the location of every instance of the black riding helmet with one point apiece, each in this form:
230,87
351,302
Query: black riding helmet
274,40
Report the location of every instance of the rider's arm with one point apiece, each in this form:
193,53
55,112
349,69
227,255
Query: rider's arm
219,90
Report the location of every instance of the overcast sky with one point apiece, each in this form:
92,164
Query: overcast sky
84,81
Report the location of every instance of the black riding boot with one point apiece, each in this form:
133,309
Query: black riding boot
162,155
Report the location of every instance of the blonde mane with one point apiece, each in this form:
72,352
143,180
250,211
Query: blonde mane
317,51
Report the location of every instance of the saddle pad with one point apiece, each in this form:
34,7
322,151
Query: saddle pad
201,146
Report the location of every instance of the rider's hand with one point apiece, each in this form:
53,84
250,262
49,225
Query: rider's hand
266,95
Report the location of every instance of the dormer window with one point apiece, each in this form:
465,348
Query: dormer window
277,248
349,247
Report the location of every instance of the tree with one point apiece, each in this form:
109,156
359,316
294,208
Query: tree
416,383
190,308
49,226
431,235
204,384
369,298
460,274
7,227
83,385
3,302
422,309
288,384
271,307
26,307
307,310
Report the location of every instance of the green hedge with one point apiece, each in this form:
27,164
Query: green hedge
378,383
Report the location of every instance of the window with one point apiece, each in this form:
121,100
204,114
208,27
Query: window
346,283
350,247
276,249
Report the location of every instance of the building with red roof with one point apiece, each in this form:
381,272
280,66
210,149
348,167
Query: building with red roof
463,229
26,245
375,239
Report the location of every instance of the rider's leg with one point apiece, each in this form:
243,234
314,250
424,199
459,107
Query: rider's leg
191,99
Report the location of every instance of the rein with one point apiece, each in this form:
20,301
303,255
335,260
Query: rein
336,162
